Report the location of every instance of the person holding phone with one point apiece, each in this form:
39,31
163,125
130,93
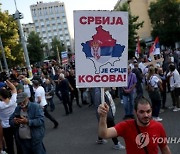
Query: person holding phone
28,121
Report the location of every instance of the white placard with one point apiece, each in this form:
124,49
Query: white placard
101,48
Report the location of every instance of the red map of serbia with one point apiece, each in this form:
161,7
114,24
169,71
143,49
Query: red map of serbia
102,49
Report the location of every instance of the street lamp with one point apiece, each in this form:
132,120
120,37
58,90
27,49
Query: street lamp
17,16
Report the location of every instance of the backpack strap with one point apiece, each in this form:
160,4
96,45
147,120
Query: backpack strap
139,132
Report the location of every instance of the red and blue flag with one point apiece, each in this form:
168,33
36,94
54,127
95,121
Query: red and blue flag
155,48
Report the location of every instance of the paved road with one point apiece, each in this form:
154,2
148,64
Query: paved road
77,132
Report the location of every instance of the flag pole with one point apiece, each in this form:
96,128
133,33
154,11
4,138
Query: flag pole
102,95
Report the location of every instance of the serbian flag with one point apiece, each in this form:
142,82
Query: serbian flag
138,49
155,48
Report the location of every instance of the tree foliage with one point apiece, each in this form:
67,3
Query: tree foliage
57,46
10,39
134,25
35,48
165,19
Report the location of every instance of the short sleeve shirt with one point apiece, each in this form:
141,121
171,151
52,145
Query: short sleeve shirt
39,92
154,81
6,109
154,131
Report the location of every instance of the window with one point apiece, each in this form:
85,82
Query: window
41,17
67,37
55,33
61,38
64,20
59,26
58,21
35,18
50,9
45,40
56,9
54,27
49,28
45,11
42,23
44,35
39,10
50,34
53,21
63,14
34,12
68,43
65,26
36,23
57,15
66,32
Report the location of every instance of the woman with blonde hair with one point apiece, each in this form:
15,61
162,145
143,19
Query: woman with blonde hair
154,85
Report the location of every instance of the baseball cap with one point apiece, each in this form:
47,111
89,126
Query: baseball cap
21,97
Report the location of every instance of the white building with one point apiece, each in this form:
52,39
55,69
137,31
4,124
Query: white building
50,21
28,28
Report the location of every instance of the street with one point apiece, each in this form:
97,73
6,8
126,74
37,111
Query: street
77,133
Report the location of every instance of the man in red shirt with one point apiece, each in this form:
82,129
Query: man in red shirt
142,136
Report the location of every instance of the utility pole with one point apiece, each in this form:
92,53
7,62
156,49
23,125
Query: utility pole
58,56
17,16
4,57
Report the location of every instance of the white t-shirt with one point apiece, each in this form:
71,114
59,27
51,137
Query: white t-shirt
142,66
154,81
131,65
39,92
27,90
6,109
174,80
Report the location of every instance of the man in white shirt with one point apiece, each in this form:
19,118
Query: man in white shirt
41,99
174,80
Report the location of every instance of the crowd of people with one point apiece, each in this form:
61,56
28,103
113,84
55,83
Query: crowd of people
25,102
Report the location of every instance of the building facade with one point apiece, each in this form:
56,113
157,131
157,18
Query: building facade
140,8
28,28
50,21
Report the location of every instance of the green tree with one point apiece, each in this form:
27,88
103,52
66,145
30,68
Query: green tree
165,19
134,25
35,48
10,39
57,47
